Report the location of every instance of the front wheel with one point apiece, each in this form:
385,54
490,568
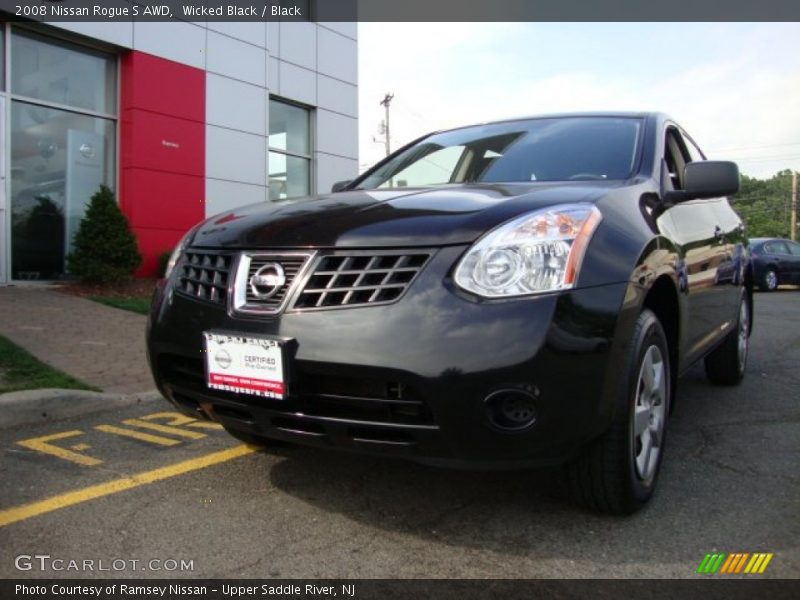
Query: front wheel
727,363
617,473
769,282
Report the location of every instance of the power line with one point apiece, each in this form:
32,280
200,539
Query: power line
767,159
754,147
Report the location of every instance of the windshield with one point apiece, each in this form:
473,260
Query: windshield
555,149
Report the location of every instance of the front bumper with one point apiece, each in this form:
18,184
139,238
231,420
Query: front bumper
410,378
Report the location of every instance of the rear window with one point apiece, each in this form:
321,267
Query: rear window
557,149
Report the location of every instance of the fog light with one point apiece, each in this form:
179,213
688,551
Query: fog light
511,410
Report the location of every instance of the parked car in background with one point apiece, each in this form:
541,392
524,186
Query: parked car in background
775,262
512,294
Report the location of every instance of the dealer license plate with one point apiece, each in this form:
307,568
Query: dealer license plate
245,364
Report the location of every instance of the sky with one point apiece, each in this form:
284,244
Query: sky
734,87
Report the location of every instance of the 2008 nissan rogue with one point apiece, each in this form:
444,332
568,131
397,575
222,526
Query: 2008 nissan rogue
512,294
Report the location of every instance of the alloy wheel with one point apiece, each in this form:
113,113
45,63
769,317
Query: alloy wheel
649,413
771,279
744,334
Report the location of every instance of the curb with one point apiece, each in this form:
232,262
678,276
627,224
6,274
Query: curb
42,406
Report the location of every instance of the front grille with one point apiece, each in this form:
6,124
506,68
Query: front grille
247,300
204,275
340,280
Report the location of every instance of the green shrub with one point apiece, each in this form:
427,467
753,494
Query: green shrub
163,259
104,248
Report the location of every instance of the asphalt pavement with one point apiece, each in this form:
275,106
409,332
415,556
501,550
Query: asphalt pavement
137,483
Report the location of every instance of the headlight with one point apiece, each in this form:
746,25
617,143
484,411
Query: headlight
178,251
537,252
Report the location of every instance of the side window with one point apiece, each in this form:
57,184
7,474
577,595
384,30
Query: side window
674,158
794,248
777,248
694,152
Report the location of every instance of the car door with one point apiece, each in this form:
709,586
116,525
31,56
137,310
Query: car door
694,227
730,234
794,259
780,257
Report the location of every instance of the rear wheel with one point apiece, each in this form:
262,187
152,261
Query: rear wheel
253,439
727,363
769,281
617,473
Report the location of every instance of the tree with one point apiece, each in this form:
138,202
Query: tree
105,250
763,204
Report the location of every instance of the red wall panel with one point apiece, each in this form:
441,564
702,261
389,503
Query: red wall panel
162,158
162,86
160,142
164,200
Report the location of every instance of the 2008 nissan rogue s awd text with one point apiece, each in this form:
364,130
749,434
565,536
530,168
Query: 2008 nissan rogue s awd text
513,294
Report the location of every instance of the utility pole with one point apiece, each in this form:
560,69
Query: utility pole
387,100
793,220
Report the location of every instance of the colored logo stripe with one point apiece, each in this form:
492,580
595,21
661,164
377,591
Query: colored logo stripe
758,563
734,563
711,563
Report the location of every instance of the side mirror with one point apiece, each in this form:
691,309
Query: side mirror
340,185
707,179
711,178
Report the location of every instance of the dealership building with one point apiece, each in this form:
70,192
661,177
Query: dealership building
182,120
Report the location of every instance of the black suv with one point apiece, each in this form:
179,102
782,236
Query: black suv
512,294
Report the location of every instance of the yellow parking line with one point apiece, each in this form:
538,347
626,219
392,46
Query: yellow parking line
138,435
42,444
26,511
192,435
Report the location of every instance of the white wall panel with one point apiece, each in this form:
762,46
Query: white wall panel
237,59
297,84
331,169
175,40
235,156
273,36
248,31
222,196
298,43
234,104
345,28
337,56
337,96
337,134
273,75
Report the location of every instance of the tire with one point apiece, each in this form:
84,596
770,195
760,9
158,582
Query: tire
616,473
726,364
769,281
254,439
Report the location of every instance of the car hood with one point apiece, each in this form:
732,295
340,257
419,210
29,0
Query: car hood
408,217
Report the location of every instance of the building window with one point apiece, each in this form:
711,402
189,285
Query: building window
289,150
60,73
2,56
63,147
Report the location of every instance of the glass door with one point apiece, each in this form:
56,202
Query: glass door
62,129
3,206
